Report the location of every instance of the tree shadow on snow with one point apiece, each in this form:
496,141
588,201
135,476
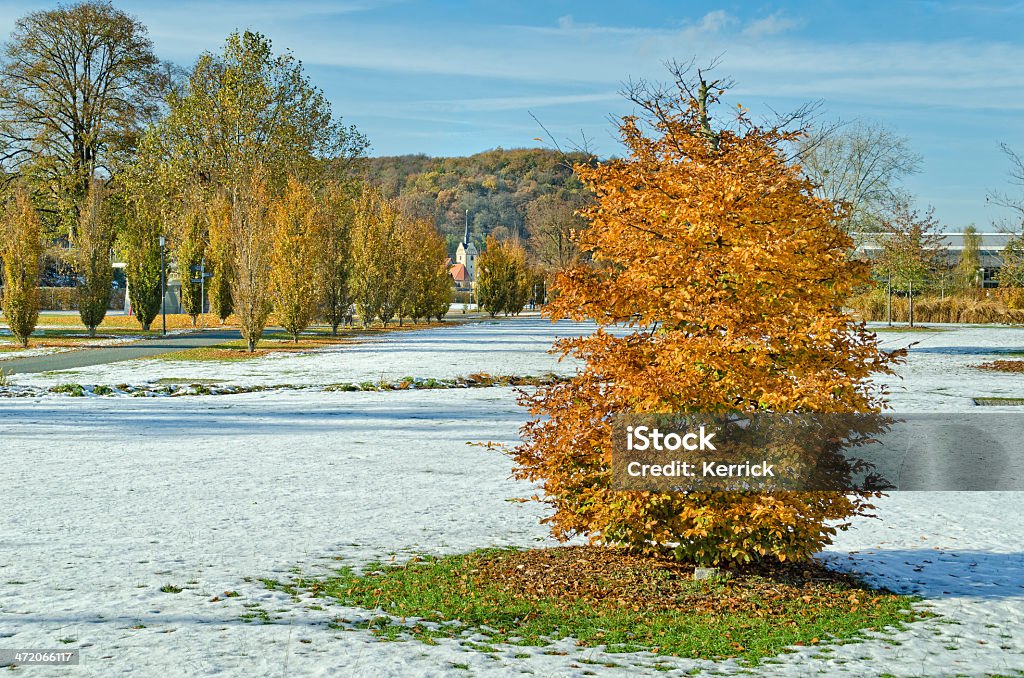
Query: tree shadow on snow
936,573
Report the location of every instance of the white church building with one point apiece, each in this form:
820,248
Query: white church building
463,272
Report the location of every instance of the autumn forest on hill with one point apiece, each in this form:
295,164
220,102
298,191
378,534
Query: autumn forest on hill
508,193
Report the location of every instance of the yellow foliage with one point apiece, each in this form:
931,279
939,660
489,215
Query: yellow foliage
21,251
732,276
298,228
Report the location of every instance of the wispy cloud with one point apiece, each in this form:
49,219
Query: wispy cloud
771,25
521,102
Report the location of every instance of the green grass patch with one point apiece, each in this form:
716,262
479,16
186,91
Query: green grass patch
907,328
71,389
188,382
601,596
997,402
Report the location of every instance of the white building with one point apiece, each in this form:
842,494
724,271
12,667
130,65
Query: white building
466,255
990,251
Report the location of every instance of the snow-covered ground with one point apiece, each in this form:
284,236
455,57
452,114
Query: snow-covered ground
495,346
106,500
101,340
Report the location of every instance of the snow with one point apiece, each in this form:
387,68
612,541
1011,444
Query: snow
97,341
30,352
108,499
494,346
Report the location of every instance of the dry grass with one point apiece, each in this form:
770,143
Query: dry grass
279,342
1015,366
997,307
65,330
117,321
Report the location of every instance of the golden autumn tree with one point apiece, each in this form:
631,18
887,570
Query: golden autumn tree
504,277
90,257
298,231
729,277
21,256
248,234
219,288
190,236
428,282
336,255
378,258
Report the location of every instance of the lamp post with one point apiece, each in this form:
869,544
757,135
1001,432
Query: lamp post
888,299
163,285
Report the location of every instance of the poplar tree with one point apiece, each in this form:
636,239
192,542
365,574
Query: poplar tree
250,253
375,241
190,235
969,262
503,277
428,283
21,252
219,288
297,223
336,260
94,239
140,242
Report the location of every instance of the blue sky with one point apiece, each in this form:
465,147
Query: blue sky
455,78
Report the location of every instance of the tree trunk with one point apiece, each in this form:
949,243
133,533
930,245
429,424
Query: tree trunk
334,329
252,345
145,327
911,303
92,331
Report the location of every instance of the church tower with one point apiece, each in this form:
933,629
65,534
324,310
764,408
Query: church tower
466,254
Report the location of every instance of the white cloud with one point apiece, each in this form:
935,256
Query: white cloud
714,22
774,24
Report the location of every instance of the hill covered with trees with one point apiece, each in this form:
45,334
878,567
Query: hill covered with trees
498,187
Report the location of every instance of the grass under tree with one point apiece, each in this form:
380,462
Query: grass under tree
607,597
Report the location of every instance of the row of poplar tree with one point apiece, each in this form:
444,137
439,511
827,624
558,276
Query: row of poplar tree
303,253
239,166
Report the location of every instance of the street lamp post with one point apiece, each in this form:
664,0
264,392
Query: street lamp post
888,299
163,285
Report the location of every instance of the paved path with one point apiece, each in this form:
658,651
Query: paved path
145,348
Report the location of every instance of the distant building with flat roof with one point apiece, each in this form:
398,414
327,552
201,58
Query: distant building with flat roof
990,250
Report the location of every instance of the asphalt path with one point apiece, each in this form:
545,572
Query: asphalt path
145,348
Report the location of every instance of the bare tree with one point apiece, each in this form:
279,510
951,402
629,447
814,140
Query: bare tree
912,252
551,220
661,103
1013,202
861,166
